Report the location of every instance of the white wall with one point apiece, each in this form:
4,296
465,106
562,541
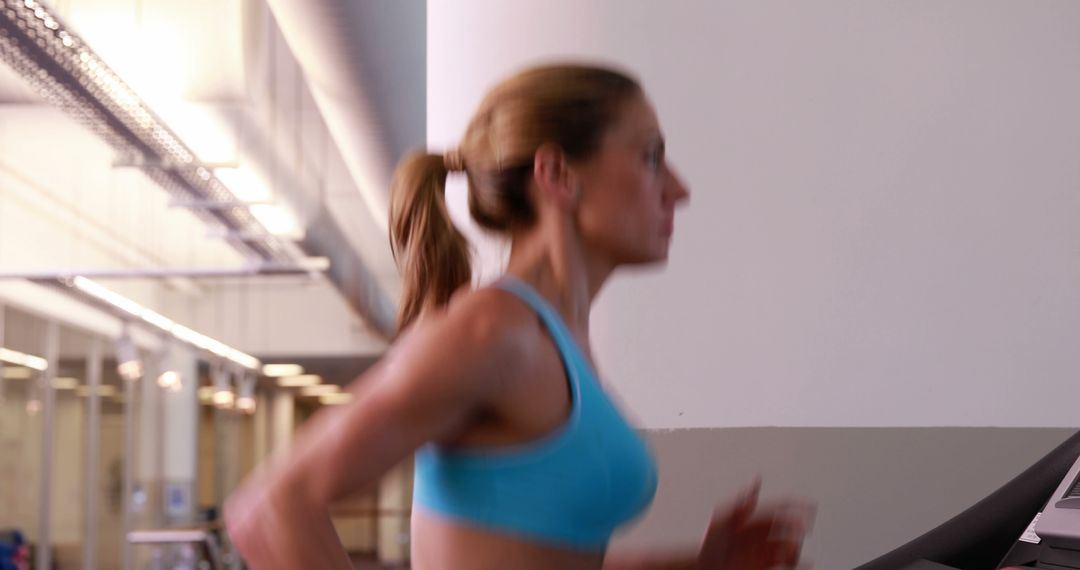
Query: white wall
882,230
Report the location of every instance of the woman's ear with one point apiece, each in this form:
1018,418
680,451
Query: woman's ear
555,179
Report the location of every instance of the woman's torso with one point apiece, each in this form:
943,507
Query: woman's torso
537,402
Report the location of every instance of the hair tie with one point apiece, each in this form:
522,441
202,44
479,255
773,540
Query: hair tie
454,161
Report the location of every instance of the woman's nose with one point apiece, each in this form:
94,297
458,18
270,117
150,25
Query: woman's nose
677,190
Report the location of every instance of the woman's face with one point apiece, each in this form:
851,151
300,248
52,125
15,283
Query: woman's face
626,209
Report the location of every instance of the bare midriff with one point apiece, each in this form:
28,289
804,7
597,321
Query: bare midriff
440,543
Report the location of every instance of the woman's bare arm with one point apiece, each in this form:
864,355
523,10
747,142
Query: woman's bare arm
426,387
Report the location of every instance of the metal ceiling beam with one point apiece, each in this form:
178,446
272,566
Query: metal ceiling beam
60,66
67,73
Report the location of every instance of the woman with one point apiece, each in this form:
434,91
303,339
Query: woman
521,459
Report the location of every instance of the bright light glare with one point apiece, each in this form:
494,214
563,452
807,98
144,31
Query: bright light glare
244,184
130,370
335,399
320,390
148,316
17,373
170,380
277,220
246,404
223,399
22,359
299,381
103,390
279,370
65,383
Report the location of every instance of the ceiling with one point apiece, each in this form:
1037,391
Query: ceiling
318,110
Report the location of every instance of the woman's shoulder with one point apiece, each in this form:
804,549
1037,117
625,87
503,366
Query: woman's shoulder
486,316
491,313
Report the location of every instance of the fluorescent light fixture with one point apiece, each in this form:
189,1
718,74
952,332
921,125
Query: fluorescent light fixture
206,393
170,380
22,359
279,370
109,296
17,373
163,323
104,390
157,319
299,381
320,390
65,383
335,399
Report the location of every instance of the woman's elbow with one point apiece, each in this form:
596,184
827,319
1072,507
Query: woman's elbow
247,521
260,512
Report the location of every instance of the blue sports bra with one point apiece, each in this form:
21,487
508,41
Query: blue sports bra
573,487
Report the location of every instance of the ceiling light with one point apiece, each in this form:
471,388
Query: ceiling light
320,390
161,322
17,373
65,383
170,380
245,386
243,184
127,357
299,381
105,390
279,370
246,186
22,359
205,393
130,370
335,399
278,220
222,399
245,404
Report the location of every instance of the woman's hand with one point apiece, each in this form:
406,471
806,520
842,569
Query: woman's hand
743,537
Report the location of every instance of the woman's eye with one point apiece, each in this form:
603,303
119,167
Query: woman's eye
654,157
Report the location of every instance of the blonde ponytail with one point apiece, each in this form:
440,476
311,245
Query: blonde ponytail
431,254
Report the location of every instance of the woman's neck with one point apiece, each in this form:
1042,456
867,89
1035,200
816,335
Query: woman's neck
556,264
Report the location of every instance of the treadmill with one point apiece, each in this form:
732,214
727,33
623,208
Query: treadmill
1031,522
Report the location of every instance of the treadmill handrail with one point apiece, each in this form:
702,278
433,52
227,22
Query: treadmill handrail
179,536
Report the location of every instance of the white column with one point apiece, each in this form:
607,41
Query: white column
282,419
181,438
93,448
167,458
262,426
48,403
